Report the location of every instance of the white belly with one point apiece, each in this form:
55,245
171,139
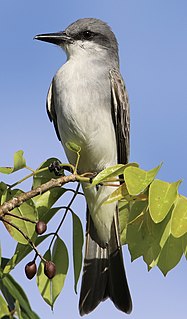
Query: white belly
83,108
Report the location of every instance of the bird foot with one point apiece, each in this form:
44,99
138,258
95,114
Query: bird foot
56,168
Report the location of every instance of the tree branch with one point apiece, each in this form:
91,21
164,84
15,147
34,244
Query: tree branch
18,200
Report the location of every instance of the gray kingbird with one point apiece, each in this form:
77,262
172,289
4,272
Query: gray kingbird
88,105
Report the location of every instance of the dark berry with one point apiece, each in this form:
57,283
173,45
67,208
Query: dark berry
49,269
30,269
40,227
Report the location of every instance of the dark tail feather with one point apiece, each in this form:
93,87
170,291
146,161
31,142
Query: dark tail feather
118,289
95,276
103,271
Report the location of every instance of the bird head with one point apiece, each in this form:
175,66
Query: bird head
88,36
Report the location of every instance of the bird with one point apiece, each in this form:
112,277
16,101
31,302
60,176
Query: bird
88,104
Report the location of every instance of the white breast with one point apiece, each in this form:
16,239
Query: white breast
83,106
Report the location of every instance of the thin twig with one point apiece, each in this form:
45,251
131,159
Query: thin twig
68,167
66,211
73,191
25,236
19,217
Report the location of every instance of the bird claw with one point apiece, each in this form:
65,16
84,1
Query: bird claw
56,168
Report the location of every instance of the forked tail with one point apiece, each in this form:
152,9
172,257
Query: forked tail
103,272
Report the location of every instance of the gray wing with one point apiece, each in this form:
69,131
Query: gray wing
50,106
121,116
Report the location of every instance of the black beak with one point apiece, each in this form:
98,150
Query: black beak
58,38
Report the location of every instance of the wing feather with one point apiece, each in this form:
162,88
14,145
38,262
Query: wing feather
50,106
120,114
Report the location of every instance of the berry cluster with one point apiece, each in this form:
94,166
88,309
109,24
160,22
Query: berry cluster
49,266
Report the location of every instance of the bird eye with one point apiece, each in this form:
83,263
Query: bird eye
87,35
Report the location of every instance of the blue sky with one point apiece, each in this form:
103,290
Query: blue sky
153,51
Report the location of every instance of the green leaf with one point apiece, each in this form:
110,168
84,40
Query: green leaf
13,260
18,309
73,147
34,315
50,289
4,311
77,248
161,197
150,255
4,193
45,175
137,180
45,201
0,254
109,172
3,189
45,284
27,210
124,210
46,216
143,235
170,255
61,260
184,244
137,230
179,217
18,294
120,193
6,294
171,249
156,236
19,163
